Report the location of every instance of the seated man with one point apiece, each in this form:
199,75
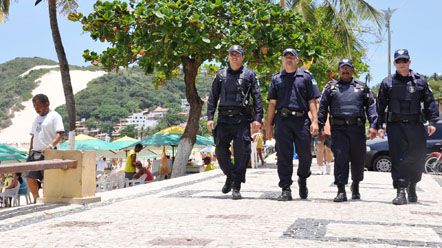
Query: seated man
143,170
208,166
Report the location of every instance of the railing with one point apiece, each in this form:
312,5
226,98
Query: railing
38,165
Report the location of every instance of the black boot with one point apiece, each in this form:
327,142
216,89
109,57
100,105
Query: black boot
227,186
341,196
355,191
400,199
286,194
236,195
303,190
411,191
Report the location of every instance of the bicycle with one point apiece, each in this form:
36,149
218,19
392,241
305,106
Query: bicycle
433,163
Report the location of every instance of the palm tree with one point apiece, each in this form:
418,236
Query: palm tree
4,9
65,7
343,15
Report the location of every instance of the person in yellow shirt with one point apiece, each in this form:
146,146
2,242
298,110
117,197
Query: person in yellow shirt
130,169
208,166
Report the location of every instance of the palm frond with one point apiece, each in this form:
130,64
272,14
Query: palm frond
4,10
364,11
67,6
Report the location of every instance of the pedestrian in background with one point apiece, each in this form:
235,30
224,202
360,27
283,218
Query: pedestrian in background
46,133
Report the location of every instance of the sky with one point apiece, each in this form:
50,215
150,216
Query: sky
415,25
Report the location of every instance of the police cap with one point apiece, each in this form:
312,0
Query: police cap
290,51
236,48
343,62
401,54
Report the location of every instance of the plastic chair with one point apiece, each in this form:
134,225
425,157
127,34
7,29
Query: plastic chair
134,182
12,195
23,191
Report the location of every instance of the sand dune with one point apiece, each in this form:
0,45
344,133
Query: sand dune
50,84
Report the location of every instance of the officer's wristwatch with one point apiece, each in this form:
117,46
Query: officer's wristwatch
51,146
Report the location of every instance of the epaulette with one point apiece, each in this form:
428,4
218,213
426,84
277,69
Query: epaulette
332,85
308,72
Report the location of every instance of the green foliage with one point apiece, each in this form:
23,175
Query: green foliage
158,35
16,89
114,96
436,87
129,131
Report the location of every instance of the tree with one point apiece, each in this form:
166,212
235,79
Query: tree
4,9
162,35
66,7
343,16
129,131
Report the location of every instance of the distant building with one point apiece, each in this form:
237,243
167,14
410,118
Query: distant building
80,128
185,106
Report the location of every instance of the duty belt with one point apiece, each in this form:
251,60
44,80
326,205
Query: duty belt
287,112
346,121
230,112
392,117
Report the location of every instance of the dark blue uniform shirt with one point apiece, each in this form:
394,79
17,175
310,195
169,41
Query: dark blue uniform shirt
358,104
229,88
415,90
293,90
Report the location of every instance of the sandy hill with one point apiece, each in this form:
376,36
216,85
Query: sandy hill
49,84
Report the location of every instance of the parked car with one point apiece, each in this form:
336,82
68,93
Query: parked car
378,158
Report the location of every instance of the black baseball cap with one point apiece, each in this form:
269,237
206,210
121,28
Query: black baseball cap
401,54
291,51
236,48
343,62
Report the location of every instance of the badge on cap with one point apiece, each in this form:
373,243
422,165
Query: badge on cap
401,52
345,60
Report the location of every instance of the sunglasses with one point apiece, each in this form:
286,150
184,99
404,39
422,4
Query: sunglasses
400,61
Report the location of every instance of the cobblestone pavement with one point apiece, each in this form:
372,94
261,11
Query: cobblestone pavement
191,211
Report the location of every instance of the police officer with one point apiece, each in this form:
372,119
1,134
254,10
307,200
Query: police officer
233,87
401,95
293,92
349,103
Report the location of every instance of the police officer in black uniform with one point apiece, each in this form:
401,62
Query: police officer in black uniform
293,92
233,87
350,103
400,106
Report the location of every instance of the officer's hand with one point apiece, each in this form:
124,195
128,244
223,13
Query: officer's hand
256,125
314,128
269,132
321,136
381,133
210,126
431,129
372,133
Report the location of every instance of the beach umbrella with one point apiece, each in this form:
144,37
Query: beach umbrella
172,130
10,153
85,142
123,142
173,140
208,149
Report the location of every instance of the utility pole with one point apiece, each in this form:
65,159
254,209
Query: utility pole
388,13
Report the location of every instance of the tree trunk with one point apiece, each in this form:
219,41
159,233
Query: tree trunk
190,67
64,70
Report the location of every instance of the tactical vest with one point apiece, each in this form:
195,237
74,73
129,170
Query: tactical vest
234,90
404,98
348,100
